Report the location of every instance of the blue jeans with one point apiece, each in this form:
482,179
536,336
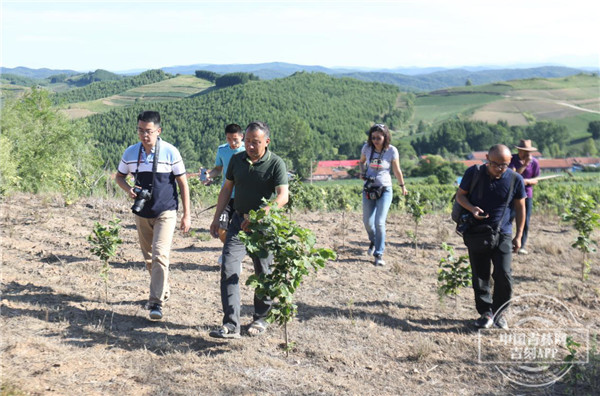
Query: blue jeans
374,216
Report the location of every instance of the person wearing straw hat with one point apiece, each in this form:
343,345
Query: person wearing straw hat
528,167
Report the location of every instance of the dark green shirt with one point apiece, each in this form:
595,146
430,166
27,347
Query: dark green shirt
254,181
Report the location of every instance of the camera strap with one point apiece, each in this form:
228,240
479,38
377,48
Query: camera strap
154,164
379,158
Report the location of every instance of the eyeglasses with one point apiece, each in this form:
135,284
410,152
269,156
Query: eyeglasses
498,166
146,132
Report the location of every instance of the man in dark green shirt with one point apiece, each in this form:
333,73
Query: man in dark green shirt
256,173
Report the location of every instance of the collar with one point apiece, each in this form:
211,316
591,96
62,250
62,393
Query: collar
265,157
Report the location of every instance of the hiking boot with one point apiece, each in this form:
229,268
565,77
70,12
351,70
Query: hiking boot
485,321
501,322
155,312
379,262
371,249
523,251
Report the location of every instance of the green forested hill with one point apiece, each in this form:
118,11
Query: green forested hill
338,111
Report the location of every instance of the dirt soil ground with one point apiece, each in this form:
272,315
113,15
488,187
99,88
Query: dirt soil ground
360,329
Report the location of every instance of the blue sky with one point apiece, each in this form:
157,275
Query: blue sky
123,35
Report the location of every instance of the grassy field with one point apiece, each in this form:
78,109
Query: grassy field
437,108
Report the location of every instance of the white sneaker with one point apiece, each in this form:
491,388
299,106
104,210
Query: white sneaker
523,251
371,249
379,262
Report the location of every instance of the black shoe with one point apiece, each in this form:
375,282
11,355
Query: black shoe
225,332
155,312
485,321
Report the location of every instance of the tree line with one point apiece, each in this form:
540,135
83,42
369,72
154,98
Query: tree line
461,137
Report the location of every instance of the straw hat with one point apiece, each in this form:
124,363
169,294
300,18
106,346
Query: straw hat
525,145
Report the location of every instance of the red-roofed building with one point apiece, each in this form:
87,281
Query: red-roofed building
480,155
327,170
338,164
558,164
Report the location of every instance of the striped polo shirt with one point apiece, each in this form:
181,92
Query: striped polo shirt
170,165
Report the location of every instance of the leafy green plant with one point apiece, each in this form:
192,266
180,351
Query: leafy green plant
416,207
453,273
582,213
294,257
105,241
583,379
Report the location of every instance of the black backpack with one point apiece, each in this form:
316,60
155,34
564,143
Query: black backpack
457,210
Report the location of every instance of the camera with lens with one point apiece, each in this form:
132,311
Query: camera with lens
143,195
464,223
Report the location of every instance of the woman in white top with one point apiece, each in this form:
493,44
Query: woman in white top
380,157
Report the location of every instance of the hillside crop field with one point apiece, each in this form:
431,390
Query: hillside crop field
164,91
575,97
360,329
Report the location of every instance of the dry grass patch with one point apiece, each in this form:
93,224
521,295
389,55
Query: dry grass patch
360,329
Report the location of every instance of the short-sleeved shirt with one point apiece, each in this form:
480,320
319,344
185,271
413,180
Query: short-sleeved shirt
490,195
380,165
532,170
224,154
170,165
254,181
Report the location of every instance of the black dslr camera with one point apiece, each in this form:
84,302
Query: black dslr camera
143,195
464,223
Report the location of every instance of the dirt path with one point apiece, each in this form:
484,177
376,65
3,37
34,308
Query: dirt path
360,329
578,108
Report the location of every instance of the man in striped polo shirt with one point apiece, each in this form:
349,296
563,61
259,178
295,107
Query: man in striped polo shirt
157,167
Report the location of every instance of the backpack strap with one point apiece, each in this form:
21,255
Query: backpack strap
510,191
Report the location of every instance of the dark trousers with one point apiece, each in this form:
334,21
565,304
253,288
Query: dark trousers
528,210
501,258
233,254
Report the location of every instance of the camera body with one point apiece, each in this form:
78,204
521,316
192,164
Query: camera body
143,195
203,174
369,182
464,223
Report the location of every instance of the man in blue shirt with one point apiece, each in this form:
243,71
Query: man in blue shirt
234,145
487,206
158,170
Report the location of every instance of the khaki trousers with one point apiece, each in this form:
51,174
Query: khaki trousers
156,236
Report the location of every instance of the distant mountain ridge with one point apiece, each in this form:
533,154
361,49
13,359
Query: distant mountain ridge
36,73
429,80
410,79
